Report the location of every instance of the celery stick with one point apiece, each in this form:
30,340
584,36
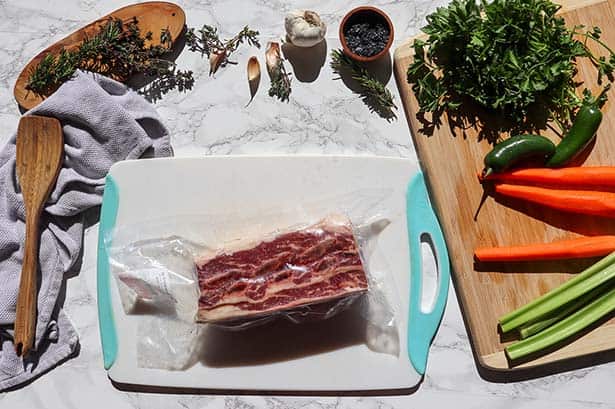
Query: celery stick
537,326
557,298
565,328
590,278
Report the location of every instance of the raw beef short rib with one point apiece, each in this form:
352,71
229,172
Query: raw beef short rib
312,265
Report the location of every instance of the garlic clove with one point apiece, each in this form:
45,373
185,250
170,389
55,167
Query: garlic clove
215,60
304,28
254,76
273,58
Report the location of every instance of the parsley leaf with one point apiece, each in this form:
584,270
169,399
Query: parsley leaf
513,59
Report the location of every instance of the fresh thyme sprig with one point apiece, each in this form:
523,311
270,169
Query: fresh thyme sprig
207,41
514,59
373,92
280,79
118,50
280,84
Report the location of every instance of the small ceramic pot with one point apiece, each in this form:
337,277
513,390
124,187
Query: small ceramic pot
365,14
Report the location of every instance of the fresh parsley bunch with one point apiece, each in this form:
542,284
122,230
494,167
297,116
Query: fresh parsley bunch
512,57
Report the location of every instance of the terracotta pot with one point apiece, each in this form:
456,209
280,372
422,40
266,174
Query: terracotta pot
365,13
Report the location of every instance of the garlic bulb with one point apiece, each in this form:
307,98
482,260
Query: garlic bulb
304,28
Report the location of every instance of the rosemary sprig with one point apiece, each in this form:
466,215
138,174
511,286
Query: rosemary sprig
207,42
373,92
118,50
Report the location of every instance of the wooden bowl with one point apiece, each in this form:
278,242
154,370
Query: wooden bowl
152,16
360,14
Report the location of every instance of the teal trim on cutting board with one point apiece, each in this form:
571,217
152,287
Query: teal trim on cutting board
422,326
108,213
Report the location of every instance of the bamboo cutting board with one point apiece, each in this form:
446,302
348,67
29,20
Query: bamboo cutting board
451,160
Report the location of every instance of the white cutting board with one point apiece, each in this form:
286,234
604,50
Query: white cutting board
329,356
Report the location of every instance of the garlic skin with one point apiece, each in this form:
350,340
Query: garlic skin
215,61
273,58
304,28
254,76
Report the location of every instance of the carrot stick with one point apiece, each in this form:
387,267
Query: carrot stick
582,178
574,201
580,247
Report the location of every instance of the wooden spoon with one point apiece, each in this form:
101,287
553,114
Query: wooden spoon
40,148
152,16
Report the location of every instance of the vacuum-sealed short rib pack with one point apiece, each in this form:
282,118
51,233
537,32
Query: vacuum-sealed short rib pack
312,265
185,274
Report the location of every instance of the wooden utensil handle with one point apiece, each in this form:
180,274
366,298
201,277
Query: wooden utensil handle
25,320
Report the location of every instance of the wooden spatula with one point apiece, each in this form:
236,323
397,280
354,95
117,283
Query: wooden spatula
40,148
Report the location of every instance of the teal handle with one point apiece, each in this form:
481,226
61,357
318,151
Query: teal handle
108,213
422,326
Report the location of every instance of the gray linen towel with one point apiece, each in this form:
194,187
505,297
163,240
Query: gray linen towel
103,122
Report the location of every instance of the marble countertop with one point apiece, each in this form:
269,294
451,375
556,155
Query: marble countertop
322,117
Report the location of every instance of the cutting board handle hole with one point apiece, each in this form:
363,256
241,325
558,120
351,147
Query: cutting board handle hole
430,278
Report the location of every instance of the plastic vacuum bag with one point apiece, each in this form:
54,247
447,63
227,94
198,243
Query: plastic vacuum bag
155,266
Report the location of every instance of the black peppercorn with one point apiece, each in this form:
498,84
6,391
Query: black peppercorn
366,39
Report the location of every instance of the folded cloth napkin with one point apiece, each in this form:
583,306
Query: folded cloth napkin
103,122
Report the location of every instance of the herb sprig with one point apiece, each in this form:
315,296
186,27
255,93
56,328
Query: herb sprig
119,51
280,83
513,58
280,79
207,41
373,92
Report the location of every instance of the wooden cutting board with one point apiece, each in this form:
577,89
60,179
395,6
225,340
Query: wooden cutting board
451,160
152,16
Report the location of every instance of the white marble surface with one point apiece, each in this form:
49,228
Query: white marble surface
322,117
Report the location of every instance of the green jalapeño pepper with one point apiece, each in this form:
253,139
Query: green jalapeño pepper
578,137
515,149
